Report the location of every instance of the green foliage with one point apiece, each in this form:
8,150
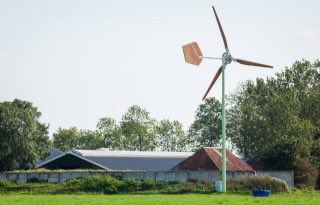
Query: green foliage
97,183
66,139
23,138
112,133
257,182
111,185
4,183
106,185
90,139
205,131
150,185
138,129
276,120
101,183
275,156
131,185
296,198
171,136
305,174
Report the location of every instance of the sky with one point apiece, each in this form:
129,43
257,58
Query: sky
81,60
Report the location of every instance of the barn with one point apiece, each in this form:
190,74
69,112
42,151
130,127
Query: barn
207,158
106,159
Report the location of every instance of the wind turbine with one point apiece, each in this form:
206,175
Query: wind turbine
193,55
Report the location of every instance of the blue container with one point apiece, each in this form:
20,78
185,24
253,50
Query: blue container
218,186
261,192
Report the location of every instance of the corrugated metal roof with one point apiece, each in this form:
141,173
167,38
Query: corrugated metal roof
209,158
109,153
134,160
54,152
137,163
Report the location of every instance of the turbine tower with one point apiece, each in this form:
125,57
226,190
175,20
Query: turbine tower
193,55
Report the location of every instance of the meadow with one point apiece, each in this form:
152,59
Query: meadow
296,197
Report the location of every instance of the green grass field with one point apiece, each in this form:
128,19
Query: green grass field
300,197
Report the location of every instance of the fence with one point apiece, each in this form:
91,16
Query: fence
180,176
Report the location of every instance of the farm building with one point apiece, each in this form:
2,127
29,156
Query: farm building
115,160
207,158
54,153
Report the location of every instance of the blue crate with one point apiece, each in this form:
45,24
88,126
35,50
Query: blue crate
261,192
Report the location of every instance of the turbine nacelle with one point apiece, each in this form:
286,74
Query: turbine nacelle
226,58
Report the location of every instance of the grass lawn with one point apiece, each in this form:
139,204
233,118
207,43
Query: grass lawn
295,198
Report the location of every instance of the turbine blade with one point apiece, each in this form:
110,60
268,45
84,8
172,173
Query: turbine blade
221,30
212,82
245,62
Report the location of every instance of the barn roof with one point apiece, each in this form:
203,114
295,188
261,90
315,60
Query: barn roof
54,153
126,160
209,158
149,154
134,160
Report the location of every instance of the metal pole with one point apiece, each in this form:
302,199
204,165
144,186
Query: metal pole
223,112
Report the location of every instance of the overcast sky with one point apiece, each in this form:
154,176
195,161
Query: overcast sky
78,60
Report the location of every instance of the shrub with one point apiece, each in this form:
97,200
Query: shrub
188,187
161,185
110,185
258,182
97,183
305,174
148,185
131,185
5,183
74,185
102,183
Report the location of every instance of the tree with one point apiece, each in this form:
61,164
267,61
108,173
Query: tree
171,136
206,128
72,138
111,132
138,129
23,137
90,139
66,139
276,120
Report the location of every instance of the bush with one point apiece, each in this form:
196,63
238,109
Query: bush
102,183
5,183
149,185
74,185
305,174
257,182
188,187
110,185
96,183
131,185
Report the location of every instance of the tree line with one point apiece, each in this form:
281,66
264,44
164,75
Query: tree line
275,121
137,130
24,139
